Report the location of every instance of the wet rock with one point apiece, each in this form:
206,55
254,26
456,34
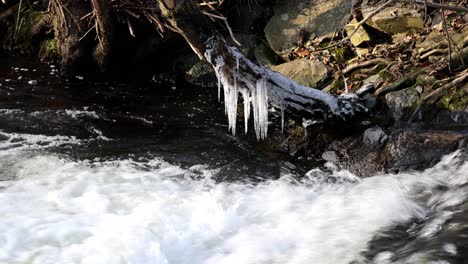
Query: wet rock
375,137
3,137
414,149
319,18
402,103
311,73
202,74
396,19
411,148
353,155
330,156
450,110
370,101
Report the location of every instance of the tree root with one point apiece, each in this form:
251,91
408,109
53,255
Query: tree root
456,83
104,31
403,82
364,64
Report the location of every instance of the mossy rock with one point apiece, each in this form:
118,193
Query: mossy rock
402,103
456,100
342,54
385,75
48,49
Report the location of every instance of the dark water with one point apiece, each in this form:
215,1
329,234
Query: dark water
147,173
183,124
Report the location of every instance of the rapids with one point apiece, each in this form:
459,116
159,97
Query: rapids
100,173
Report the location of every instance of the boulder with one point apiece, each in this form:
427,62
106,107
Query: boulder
414,149
451,109
395,19
311,73
361,36
437,39
319,18
402,103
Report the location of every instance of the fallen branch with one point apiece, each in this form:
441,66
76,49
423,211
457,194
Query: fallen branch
259,86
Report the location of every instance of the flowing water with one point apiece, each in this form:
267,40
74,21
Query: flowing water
113,173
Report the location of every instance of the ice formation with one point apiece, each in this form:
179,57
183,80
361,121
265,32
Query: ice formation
259,86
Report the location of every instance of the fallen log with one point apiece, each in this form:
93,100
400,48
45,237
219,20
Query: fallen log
259,86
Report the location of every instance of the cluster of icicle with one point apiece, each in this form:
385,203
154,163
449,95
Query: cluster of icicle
255,96
259,86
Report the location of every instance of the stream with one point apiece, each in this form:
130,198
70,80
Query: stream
98,172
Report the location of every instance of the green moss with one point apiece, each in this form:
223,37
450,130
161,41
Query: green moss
425,80
26,28
385,75
48,49
342,54
457,99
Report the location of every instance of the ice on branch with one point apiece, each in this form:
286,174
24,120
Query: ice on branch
261,87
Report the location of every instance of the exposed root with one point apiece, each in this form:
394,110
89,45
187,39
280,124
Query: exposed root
358,65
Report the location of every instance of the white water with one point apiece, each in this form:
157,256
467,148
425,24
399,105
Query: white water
62,211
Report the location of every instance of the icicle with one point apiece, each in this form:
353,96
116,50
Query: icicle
260,108
282,118
218,68
246,97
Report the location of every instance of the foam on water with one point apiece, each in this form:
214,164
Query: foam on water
55,210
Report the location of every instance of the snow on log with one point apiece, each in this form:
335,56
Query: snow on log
261,87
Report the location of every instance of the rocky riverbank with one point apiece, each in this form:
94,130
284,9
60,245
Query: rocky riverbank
407,62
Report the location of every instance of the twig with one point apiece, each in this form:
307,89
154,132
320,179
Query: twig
225,23
444,24
433,52
130,28
87,32
17,19
435,5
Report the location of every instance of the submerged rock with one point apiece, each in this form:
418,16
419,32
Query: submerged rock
306,72
319,18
